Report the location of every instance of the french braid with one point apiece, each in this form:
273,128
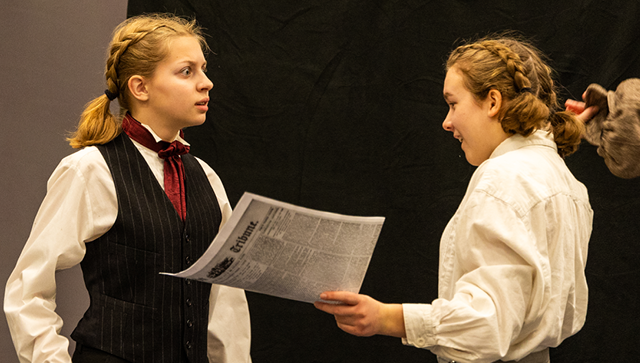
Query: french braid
512,61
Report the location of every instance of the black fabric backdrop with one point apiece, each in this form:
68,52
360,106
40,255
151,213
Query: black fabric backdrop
337,105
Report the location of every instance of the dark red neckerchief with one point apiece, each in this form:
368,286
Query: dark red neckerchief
170,152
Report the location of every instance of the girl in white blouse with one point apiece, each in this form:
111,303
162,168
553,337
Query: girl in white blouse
512,258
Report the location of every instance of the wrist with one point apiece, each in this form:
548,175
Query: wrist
392,322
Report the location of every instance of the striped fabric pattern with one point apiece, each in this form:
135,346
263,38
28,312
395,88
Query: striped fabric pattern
136,313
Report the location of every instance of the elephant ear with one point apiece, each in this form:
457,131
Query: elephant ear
596,95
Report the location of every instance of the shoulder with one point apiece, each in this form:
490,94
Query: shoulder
211,174
87,164
524,177
83,160
214,180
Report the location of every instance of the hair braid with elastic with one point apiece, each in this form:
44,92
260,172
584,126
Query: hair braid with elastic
117,49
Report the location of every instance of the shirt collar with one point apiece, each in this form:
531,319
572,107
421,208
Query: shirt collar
158,139
517,141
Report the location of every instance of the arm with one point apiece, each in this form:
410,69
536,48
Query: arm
229,339
64,222
497,292
229,326
493,285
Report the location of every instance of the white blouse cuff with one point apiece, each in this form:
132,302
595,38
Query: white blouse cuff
418,323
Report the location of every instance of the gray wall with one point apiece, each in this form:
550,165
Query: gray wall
52,56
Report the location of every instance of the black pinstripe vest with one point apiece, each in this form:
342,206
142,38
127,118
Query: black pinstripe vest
136,313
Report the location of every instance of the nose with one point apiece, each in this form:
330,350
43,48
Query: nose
206,84
446,124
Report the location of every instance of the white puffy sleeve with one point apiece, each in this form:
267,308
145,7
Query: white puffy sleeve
80,205
229,338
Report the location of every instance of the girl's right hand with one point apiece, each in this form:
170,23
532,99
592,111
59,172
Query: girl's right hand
578,107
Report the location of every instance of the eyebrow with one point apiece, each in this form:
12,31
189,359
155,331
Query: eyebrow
192,63
446,95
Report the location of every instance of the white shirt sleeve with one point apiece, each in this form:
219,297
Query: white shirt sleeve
516,297
80,205
512,259
504,291
229,339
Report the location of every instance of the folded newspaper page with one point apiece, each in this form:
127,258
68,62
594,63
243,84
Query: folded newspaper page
283,250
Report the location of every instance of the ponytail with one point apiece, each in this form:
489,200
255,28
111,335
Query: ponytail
524,114
97,125
567,131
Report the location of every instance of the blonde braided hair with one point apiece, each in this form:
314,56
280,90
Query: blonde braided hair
137,46
517,70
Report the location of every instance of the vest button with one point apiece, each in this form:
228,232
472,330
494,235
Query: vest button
189,323
188,260
189,303
188,344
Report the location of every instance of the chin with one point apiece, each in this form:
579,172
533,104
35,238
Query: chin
473,161
198,122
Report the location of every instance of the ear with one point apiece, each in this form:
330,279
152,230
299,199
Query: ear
494,100
138,87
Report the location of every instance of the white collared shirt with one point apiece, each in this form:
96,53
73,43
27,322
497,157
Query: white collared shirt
79,207
512,260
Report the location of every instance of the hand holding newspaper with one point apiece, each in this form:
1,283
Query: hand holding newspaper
292,252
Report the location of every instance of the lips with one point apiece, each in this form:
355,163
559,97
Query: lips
202,105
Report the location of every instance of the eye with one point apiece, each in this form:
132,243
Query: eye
185,71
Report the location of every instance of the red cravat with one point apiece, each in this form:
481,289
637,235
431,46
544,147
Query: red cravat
170,152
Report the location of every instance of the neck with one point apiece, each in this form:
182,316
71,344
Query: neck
165,132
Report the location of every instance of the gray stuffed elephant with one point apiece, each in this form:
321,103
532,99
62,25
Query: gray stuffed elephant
615,129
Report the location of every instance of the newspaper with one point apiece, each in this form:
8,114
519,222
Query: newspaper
288,251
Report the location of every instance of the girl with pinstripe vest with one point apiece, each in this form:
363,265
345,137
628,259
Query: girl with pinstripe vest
130,204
